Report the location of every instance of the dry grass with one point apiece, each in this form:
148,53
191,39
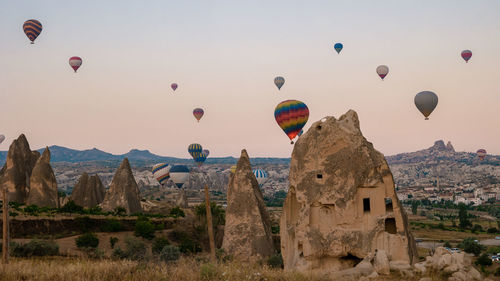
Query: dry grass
63,269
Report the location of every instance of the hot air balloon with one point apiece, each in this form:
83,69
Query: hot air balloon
200,158
291,116
2,138
198,113
279,81
382,71
179,174
206,151
338,47
194,149
300,133
466,55
75,63
426,101
232,169
174,86
161,172
481,153
261,176
32,28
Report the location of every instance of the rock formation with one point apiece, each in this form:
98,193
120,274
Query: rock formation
43,184
450,147
247,232
88,191
15,174
181,200
123,191
341,205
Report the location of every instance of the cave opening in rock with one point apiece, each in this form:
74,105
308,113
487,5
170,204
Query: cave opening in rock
351,259
388,204
390,225
366,205
319,176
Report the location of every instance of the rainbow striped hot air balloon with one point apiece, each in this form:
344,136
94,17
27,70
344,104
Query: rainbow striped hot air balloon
291,116
75,63
161,172
198,113
481,153
32,28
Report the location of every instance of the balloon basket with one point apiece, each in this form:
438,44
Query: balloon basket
426,118
32,42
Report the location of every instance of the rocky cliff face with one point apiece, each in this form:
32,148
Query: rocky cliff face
43,185
88,191
123,191
341,205
15,174
247,233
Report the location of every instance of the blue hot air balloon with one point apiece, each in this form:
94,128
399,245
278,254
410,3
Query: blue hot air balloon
194,149
338,47
200,158
179,174
261,176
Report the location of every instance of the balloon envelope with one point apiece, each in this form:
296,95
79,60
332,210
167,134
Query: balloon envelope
338,47
279,81
198,113
261,176
481,153
291,116
179,175
2,138
382,71
466,55
161,172
194,149
174,86
232,169
32,28
426,102
75,63
200,158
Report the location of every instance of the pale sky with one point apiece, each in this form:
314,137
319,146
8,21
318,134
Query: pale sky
225,54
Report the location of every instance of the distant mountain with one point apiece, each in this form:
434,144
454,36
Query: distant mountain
135,156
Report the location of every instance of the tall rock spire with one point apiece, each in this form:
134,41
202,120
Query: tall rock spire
123,191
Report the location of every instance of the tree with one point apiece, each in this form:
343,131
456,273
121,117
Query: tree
144,228
463,217
471,246
71,207
484,260
87,240
414,207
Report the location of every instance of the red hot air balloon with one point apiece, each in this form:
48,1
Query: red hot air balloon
198,113
174,86
466,55
481,153
75,63
291,116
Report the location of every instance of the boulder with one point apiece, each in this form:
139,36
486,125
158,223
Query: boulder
341,205
88,191
43,184
381,263
15,174
473,274
123,191
247,232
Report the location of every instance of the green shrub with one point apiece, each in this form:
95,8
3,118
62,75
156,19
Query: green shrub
492,230
144,228
208,272
186,244
160,226
158,244
35,248
170,253
118,253
135,249
120,211
275,261
176,212
470,246
32,210
477,228
71,208
112,241
484,260
112,225
87,240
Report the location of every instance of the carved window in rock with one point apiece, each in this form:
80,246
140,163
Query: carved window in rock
366,205
388,204
390,225
322,216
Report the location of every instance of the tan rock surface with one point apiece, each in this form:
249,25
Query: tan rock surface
181,200
88,191
123,191
247,232
43,184
15,174
341,205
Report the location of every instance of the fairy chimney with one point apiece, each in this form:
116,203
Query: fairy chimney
123,191
88,191
43,184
